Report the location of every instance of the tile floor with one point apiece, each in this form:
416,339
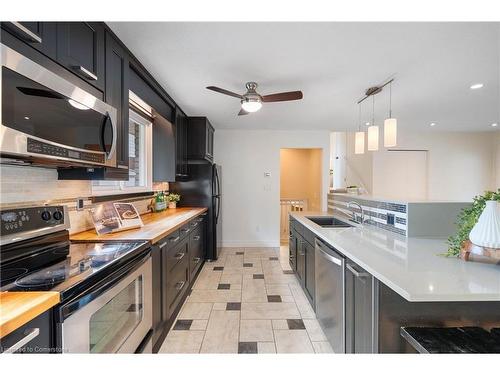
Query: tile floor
248,301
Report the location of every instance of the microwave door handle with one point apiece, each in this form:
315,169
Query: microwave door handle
113,142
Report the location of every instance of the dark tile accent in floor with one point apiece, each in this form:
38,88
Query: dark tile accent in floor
274,298
258,276
182,325
247,264
288,272
247,348
224,286
240,253
295,324
134,307
218,268
233,306
273,258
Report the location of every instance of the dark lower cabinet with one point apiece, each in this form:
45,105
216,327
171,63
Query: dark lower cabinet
80,48
310,277
302,258
117,86
177,259
36,336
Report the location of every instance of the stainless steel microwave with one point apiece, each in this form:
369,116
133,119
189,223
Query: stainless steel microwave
47,120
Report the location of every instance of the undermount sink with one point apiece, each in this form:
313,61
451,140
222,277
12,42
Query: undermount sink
328,222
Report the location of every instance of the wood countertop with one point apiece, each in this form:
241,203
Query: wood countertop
18,308
156,226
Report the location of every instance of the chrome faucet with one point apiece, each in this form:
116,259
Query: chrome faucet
354,215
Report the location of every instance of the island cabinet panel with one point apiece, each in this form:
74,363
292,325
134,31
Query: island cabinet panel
292,249
309,279
301,260
80,48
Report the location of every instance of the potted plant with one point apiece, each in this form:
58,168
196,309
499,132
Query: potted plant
459,243
173,199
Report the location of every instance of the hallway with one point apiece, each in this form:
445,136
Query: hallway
248,301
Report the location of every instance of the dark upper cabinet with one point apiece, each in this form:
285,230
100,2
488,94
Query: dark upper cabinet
200,139
80,48
163,150
181,166
116,94
40,35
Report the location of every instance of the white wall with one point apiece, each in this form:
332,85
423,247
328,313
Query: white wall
250,203
460,165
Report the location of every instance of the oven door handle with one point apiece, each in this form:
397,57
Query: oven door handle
102,287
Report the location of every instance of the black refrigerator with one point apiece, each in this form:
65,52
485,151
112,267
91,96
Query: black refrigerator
202,188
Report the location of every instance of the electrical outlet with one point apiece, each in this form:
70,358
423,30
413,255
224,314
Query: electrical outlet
79,204
390,219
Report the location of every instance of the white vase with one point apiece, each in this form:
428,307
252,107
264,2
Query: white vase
486,232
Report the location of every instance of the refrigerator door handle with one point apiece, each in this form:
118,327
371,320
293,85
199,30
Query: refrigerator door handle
218,209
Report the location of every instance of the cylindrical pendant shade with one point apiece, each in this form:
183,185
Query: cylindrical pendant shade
390,132
373,138
359,143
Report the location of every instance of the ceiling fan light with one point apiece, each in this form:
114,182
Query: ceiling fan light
359,143
390,132
373,138
251,105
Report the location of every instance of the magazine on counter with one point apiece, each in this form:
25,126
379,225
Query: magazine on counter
115,217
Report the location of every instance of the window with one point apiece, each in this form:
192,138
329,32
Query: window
140,156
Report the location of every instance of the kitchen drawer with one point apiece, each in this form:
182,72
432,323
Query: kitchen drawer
36,336
176,284
171,240
195,252
185,230
176,255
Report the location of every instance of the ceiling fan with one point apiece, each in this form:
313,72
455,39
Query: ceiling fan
251,101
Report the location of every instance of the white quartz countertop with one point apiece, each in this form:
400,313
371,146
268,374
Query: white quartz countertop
368,197
412,267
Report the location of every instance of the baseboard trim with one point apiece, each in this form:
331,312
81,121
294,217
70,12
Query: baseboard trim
250,244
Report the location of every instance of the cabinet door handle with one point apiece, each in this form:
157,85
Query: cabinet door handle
31,334
196,238
179,256
162,245
174,239
180,285
85,72
25,33
194,224
196,260
185,230
199,220
355,272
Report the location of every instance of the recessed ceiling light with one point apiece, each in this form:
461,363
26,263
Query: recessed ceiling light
432,124
476,86
494,124
367,123
26,118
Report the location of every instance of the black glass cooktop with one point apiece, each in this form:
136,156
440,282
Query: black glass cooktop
68,267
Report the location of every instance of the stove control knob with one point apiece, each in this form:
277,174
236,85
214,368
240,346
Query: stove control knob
46,215
57,215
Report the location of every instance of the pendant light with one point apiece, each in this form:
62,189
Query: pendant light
359,137
373,132
390,125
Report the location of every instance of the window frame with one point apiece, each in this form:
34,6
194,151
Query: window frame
141,114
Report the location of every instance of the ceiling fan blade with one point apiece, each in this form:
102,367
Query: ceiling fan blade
225,92
282,96
242,112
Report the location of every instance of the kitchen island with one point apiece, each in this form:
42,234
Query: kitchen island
413,283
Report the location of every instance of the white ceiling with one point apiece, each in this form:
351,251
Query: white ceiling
332,63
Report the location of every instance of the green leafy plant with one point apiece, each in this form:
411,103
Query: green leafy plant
467,219
172,197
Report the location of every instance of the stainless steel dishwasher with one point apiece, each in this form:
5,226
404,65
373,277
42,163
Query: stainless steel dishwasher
330,295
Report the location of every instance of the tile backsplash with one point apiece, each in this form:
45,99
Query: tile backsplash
21,184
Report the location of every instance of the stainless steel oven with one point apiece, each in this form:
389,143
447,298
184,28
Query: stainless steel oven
114,316
48,120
